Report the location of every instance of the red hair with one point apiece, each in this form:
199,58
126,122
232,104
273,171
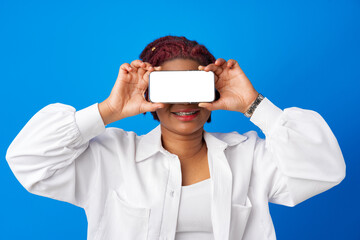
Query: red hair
172,47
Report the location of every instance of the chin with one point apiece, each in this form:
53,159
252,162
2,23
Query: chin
185,126
188,129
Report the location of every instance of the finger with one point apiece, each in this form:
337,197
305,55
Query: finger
158,68
145,69
142,68
211,67
216,69
232,63
148,66
125,68
205,105
216,79
200,67
151,107
141,71
138,63
146,77
211,106
220,61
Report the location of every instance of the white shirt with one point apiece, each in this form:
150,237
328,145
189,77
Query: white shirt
130,186
194,217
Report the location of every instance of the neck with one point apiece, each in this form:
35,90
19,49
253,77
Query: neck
186,147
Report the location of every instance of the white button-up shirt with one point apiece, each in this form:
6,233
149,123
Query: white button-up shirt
130,186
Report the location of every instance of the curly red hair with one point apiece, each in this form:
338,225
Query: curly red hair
172,47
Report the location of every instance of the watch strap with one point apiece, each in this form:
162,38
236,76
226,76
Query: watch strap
253,106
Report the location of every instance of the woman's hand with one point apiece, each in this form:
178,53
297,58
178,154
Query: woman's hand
236,91
127,96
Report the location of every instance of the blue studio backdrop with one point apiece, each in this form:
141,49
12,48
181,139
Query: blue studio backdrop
296,53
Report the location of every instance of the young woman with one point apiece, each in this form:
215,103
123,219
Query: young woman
178,181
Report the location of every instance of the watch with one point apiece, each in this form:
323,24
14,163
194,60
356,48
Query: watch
254,105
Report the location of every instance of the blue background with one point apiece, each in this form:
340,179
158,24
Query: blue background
297,53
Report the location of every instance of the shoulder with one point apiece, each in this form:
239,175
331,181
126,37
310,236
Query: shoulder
115,136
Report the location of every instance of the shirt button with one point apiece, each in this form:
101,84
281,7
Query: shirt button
172,193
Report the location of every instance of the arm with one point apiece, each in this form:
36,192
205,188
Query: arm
43,154
300,156
53,155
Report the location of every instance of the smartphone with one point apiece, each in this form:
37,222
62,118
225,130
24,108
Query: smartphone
181,86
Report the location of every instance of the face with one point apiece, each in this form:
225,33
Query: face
183,119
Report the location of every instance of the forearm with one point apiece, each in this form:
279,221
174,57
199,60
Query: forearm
106,113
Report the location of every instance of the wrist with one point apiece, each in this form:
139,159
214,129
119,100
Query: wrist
249,112
106,113
249,101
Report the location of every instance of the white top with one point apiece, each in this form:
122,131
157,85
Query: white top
130,186
194,219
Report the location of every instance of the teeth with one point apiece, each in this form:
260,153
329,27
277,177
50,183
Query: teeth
185,113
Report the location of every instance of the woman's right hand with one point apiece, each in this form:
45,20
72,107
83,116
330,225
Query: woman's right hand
127,96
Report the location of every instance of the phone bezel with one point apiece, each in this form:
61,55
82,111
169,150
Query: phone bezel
186,102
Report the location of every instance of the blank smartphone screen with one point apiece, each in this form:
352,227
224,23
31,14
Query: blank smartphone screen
181,86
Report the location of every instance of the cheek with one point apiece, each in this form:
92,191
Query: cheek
207,115
161,113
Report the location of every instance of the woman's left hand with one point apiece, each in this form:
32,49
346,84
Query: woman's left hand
236,91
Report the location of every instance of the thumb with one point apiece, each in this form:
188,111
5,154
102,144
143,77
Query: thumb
210,106
151,107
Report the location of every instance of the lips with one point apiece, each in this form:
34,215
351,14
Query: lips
186,114
186,111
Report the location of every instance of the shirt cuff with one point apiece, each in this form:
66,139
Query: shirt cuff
266,115
89,122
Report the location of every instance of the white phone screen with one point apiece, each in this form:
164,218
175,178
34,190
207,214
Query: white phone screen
181,86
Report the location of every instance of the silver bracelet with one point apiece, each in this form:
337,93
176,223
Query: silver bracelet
254,105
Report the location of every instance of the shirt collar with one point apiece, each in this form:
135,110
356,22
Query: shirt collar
150,144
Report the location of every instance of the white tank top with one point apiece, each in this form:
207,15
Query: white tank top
194,219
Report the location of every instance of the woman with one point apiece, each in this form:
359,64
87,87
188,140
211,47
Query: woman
177,181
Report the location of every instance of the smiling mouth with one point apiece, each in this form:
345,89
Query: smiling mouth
185,113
